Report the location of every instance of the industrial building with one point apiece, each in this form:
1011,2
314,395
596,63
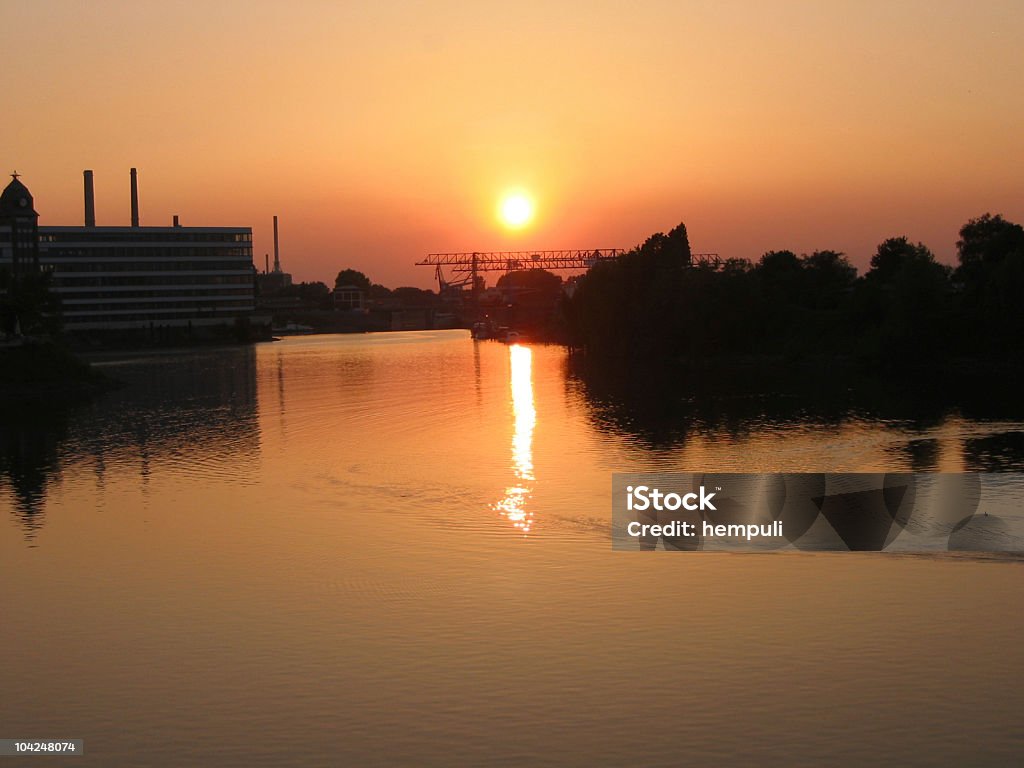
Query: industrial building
273,282
135,277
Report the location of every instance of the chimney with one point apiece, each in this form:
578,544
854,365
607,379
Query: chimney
176,221
266,263
277,255
90,200
135,198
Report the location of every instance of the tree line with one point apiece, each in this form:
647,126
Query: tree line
317,294
655,302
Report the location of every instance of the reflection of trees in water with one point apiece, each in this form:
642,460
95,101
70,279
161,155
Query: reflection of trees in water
30,439
197,409
922,455
663,409
995,453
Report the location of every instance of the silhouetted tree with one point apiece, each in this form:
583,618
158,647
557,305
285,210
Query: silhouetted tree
720,310
654,303
828,276
531,279
630,306
991,273
915,281
905,299
779,263
379,293
893,256
27,301
312,295
736,267
352,277
986,241
780,275
411,296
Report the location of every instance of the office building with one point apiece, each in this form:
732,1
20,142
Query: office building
117,277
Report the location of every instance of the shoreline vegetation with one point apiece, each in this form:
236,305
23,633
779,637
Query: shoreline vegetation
654,310
786,324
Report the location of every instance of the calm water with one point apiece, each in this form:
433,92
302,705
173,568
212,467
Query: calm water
393,549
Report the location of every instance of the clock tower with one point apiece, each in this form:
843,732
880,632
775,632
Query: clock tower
19,227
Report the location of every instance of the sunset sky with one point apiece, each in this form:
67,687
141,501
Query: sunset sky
382,131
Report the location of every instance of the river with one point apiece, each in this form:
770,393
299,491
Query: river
393,549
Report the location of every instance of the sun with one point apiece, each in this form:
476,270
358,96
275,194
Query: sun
516,210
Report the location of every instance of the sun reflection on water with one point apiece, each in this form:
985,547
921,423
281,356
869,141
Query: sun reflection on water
513,505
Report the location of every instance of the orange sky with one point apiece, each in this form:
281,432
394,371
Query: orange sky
382,131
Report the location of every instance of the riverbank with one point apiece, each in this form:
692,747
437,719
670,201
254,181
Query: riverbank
45,370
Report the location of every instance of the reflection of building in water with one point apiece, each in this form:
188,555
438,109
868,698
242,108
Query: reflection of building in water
200,406
29,458
196,412
513,506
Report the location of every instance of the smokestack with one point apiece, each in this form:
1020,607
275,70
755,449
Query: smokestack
135,198
176,221
266,263
277,255
90,200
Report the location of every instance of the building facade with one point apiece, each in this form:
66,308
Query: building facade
349,298
135,277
